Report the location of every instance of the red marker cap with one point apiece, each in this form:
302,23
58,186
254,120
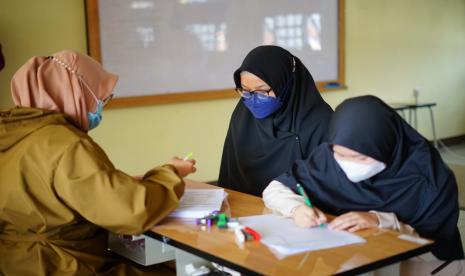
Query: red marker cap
252,232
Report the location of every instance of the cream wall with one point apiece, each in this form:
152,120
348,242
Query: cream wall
392,46
29,28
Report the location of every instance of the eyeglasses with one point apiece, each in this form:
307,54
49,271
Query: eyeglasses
261,94
107,100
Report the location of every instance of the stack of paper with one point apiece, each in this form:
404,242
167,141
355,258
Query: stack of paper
198,203
285,238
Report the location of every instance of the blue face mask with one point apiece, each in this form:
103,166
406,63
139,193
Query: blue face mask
95,118
262,107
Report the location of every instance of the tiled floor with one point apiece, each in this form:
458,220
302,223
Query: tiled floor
455,158
454,154
461,225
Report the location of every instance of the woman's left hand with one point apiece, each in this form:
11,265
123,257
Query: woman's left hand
354,221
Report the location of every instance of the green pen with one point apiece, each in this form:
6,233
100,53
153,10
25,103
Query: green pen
189,155
304,195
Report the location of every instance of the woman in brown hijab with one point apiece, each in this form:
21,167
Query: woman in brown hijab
59,192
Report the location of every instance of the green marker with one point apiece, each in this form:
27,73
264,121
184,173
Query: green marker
222,221
304,194
189,155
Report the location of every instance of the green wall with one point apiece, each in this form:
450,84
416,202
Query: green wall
392,46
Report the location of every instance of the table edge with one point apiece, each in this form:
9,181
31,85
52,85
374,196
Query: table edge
361,269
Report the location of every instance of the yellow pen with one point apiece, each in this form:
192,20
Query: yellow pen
189,155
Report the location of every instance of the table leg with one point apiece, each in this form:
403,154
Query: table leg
403,114
433,127
184,259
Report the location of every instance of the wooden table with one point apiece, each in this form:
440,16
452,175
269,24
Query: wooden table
382,247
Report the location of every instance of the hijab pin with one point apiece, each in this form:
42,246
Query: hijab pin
64,64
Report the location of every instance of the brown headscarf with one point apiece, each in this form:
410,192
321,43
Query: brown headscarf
63,83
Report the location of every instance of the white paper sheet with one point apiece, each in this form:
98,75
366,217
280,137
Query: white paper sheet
197,203
285,238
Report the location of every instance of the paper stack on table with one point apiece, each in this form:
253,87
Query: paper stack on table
198,203
285,238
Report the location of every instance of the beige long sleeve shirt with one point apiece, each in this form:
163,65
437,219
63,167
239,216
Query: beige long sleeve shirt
284,201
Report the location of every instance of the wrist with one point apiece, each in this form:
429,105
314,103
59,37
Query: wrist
375,218
174,169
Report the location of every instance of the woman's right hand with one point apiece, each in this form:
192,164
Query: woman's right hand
184,167
305,216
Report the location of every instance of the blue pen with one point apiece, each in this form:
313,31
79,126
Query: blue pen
304,195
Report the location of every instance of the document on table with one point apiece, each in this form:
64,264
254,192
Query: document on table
197,203
284,238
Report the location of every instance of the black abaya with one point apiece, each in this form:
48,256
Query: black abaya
257,150
416,185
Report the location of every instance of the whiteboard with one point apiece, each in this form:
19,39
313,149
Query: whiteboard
160,47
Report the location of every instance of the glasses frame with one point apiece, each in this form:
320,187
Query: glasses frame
261,94
107,100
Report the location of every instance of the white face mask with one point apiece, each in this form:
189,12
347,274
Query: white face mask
357,172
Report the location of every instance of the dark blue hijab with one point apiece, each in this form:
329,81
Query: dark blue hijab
416,185
257,150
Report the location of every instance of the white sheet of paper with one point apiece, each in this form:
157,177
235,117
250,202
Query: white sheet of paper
285,238
197,203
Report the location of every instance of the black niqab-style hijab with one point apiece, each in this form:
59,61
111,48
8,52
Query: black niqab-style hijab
257,150
416,185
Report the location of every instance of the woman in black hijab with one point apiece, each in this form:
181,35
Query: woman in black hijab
398,171
280,118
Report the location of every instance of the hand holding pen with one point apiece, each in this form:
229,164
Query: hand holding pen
188,156
184,166
307,215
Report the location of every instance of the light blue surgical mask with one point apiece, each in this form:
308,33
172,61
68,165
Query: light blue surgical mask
95,118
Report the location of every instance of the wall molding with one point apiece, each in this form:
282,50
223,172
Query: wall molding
451,141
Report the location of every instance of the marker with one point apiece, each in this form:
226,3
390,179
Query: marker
222,221
201,221
304,195
247,235
233,223
189,155
252,232
239,235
